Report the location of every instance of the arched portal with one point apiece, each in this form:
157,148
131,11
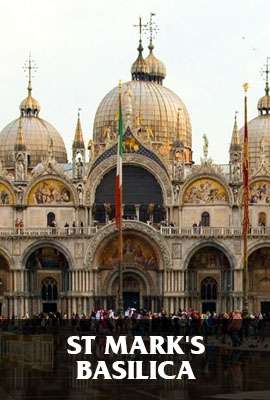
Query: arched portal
142,196
259,279
209,279
141,272
47,276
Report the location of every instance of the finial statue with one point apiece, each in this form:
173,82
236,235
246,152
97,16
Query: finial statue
205,146
50,152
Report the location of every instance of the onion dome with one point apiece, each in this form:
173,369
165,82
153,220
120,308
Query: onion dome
264,102
139,69
157,69
78,142
34,131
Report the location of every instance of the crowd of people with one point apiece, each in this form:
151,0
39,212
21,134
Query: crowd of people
235,325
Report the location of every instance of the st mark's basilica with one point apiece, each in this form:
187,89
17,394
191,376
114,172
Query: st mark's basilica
182,222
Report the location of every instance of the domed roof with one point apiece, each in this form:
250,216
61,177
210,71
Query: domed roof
153,106
259,130
37,135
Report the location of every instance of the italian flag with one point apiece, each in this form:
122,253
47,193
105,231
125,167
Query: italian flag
118,178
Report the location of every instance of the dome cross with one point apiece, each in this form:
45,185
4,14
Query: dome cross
152,29
29,67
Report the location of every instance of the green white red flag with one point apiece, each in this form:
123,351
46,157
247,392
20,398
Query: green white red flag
119,174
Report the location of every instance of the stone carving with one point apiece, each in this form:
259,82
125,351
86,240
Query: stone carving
205,147
127,106
79,167
235,191
20,168
80,194
50,191
205,191
260,192
20,194
176,192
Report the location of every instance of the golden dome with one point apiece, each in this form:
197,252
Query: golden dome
37,136
153,106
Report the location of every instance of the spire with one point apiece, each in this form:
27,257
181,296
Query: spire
20,142
264,102
78,137
139,69
235,133
29,107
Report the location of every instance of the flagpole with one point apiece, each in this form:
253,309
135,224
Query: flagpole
119,211
245,204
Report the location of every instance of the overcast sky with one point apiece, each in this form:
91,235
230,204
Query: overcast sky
83,47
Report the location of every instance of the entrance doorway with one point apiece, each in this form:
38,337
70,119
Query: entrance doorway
131,300
49,307
265,307
209,306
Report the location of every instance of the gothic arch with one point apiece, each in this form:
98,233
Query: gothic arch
138,228
96,175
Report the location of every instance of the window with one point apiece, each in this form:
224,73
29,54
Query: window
209,289
205,219
49,290
50,219
262,219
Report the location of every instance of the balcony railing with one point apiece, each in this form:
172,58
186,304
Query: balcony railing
71,231
212,231
190,232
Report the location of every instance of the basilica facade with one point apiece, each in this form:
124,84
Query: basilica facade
182,222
